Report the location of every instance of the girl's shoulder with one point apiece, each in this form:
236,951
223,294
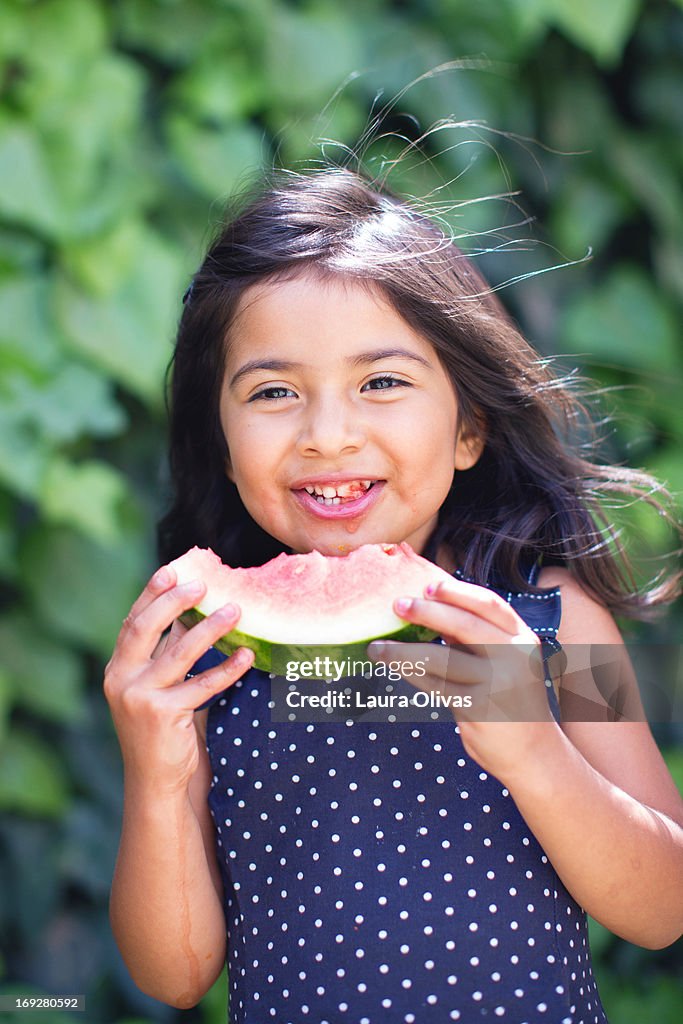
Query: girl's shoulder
597,682
585,620
593,684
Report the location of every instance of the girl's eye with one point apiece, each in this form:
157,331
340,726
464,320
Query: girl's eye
272,394
385,382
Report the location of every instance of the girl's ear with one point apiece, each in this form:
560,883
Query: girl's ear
469,446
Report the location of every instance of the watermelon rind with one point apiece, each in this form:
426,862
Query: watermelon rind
272,657
299,607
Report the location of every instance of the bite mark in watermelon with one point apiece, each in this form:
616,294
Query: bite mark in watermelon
296,604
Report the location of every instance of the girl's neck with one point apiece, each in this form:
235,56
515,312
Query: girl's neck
445,560
439,554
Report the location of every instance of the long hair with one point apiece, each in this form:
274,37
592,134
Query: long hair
534,491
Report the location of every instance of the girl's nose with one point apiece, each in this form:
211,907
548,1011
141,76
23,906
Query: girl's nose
331,428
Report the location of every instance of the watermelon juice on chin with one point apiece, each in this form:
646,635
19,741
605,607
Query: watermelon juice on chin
296,604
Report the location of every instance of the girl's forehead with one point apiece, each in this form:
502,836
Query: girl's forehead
318,314
310,287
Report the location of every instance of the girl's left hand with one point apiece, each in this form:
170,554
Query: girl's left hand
493,658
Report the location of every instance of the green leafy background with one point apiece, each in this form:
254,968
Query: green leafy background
123,126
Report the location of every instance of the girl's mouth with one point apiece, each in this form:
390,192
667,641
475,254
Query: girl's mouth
339,500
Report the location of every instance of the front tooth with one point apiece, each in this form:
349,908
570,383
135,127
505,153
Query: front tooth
351,489
329,492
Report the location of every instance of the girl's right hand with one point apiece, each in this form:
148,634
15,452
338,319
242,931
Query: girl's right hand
151,701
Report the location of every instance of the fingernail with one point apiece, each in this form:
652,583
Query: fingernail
162,577
403,604
376,649
193,589
228,611
431,589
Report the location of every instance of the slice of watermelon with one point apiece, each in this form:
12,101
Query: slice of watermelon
296,604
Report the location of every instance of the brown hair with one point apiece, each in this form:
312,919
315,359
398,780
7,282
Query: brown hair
533,493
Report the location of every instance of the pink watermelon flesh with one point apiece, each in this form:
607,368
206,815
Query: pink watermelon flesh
295,604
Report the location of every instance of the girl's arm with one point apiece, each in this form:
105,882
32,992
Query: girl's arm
166,907
596,794
166,910
599,798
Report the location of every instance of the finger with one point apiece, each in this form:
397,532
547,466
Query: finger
425,665
451,621
142,630
400,650
162,580
196,691
479,601
188,646
178,630
504,685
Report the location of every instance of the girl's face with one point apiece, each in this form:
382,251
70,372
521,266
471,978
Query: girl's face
340,420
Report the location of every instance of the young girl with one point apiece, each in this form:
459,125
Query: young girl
335,344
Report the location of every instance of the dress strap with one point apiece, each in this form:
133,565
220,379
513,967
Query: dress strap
542,612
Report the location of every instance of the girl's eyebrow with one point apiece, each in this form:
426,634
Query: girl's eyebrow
374,356
263,364
377,355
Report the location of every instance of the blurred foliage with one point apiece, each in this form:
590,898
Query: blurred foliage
122,126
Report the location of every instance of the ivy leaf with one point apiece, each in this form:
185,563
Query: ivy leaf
88,853
586,213
74,402
623,321
8,560
69,163
28,193
219,87
215,159
101,263
43,676
88,496
32,780
19,253
641,163
5,703
601,32
176,38
27,338
80,26
128,332
23,458
309,55
82,589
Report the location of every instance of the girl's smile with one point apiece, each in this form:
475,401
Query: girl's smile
341,422
338,498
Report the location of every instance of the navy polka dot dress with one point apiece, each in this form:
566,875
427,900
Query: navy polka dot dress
374,873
